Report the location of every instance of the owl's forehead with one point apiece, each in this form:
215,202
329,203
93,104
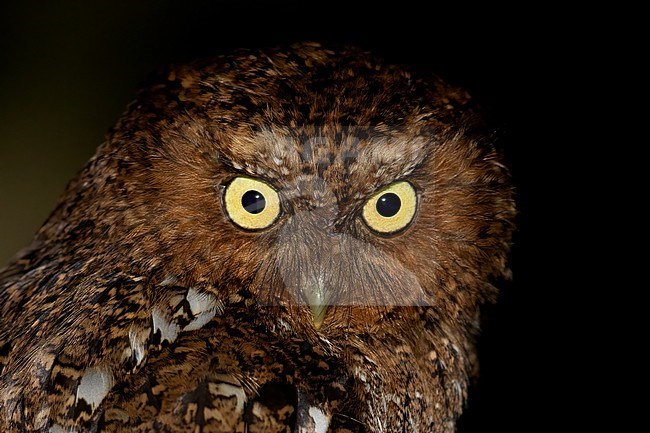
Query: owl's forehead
351,161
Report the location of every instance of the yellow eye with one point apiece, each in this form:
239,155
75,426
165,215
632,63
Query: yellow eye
391,209
251,204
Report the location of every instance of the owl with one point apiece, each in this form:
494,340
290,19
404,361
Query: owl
295,239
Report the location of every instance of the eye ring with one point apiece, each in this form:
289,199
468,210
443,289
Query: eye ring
251,204
391,209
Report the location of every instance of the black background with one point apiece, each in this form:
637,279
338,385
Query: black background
68,69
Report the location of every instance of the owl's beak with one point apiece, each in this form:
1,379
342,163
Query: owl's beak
318,313
318,303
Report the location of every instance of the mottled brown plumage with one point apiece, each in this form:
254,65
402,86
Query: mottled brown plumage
147,303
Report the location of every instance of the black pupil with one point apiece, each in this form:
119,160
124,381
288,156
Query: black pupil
388,205
253,201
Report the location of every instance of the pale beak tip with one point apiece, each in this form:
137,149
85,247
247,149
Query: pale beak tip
318,313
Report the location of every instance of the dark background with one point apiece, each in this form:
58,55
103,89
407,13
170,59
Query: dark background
68,69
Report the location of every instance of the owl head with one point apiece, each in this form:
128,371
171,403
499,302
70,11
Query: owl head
316,182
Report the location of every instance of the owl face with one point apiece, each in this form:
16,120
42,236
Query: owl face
329,234
323,184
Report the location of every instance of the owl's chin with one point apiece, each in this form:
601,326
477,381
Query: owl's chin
333,322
